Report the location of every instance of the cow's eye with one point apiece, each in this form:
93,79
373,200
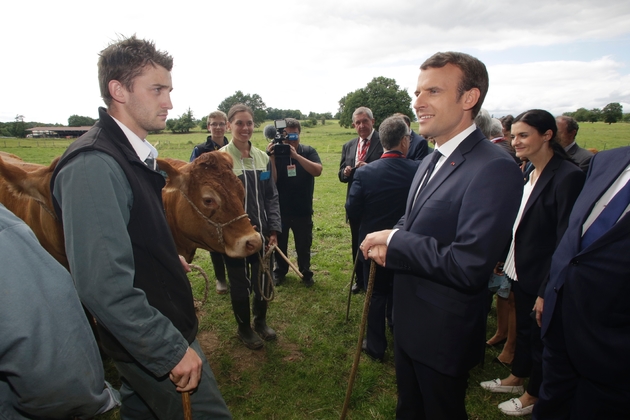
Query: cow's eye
208,201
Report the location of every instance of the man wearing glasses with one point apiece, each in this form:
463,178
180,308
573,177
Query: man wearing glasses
295,179
216,140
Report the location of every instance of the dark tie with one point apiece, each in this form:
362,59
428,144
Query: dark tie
435,156
150,162
608,217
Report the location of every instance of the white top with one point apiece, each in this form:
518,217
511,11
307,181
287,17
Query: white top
510,266
143,148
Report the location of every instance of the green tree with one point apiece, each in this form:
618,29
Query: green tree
183,124
278,114
382,95
80,121
254,101
594,115
626,117
581,115
18,128
612,113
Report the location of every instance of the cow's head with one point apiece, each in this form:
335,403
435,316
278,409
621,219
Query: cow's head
203,201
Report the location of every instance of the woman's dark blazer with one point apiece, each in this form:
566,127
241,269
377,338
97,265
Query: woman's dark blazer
544,220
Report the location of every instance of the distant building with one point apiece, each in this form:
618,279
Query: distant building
57,132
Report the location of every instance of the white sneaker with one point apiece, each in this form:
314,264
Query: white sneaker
495,386
514,407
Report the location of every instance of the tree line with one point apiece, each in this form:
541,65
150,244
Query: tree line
382,95
611,113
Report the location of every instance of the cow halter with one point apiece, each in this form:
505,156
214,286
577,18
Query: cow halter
219,226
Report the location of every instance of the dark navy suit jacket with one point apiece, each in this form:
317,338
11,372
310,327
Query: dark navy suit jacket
418,147
595,283
447,246
379,192
349,153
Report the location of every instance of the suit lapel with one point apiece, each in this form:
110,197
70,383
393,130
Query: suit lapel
373,141
352,150
544,179
415,184
604,177
448,167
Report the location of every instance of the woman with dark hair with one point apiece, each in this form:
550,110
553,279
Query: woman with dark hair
252,167
549,193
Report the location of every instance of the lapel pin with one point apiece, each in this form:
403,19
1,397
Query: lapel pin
452,163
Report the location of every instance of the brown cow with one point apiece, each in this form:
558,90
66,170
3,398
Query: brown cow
203,202
25,190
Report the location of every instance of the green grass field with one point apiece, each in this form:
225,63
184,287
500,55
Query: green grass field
304,374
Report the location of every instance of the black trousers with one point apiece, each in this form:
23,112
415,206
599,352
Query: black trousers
354,233
565,394
302,228
380,308
528,354
219,265
243,276
424,393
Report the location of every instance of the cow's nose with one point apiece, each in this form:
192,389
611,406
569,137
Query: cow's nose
251,246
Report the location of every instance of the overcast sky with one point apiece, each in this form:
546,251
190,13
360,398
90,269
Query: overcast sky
307,54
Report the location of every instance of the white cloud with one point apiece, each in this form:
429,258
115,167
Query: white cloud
556,86
306,55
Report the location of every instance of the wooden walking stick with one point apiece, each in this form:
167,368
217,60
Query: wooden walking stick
354,272
186,405
357,355
284,257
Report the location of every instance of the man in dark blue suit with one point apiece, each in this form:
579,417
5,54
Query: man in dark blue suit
586,315
418,145
377,200
458,218
355,153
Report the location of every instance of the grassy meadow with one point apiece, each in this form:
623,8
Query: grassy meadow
304,374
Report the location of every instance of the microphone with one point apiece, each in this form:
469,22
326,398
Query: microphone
270,132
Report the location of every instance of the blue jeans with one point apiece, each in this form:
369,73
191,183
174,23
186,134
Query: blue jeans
146,397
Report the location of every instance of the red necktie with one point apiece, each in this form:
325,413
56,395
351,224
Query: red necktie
363,146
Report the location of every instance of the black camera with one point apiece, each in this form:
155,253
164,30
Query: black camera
279,148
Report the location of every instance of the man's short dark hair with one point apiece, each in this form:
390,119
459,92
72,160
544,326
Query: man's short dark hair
124,60
506,122
404,117
293,123
572,124
392,131
475,74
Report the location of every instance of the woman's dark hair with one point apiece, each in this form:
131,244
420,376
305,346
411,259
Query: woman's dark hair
543,121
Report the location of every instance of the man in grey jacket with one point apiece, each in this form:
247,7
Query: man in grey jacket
107,191
49,362
567,130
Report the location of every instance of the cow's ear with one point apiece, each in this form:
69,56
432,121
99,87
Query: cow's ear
174,177
32,184
228,160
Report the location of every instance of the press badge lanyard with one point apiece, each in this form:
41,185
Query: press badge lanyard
291,169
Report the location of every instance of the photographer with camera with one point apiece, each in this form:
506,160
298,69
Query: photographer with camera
295,168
